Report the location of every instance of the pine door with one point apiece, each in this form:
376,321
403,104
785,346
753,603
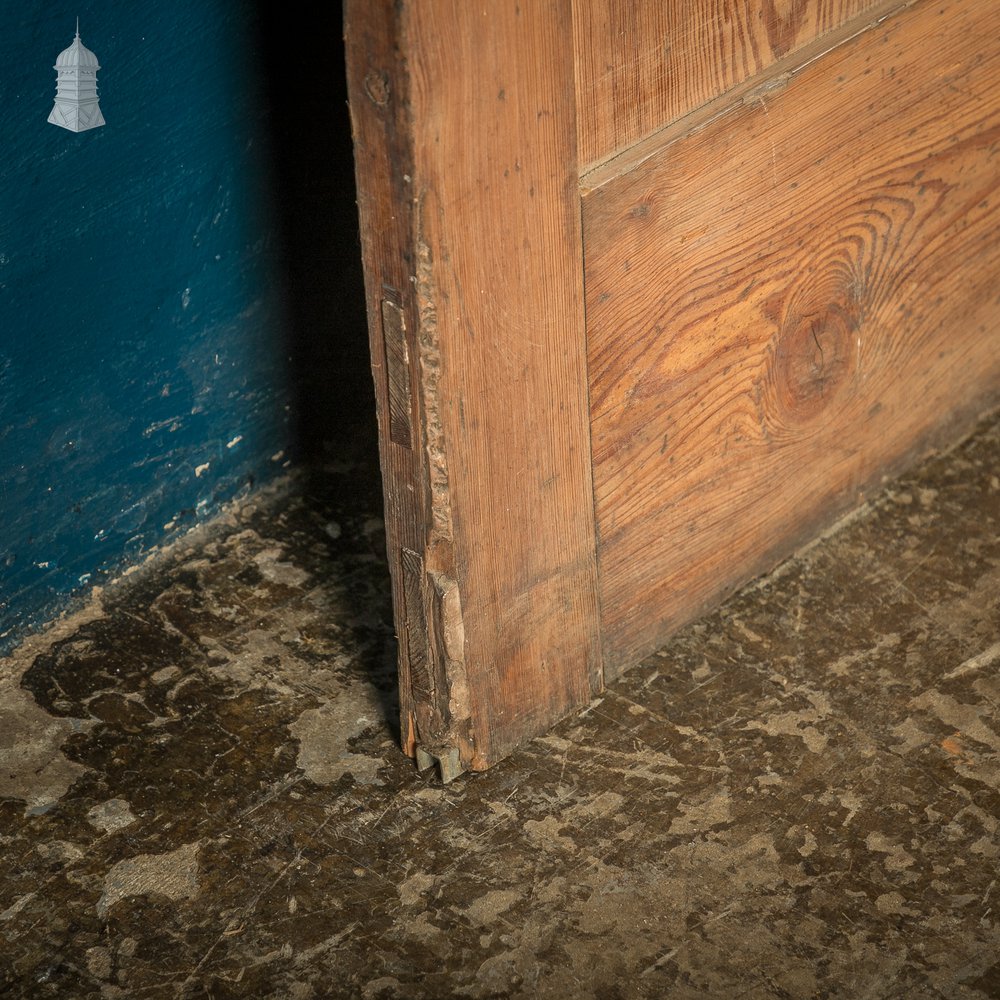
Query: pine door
657,289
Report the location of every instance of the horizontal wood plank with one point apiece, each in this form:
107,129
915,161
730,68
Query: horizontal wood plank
641,64
785,305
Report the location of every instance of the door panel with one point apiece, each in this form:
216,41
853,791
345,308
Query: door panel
790,270
775,318
642,64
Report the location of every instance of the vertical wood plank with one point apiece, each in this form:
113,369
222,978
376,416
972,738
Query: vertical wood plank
493,249
377,82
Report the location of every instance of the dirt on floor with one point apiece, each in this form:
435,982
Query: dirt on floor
202,792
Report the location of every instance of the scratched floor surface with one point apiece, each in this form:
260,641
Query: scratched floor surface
202,795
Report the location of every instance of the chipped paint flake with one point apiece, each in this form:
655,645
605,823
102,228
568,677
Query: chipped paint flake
276,569
33,768
174,875
323,734
110,816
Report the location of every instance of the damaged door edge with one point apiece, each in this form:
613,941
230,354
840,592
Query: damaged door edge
435,713
442,733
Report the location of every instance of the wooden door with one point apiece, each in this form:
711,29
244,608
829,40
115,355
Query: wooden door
657,289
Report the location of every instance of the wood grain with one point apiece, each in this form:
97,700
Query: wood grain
475,184
641,64
787,304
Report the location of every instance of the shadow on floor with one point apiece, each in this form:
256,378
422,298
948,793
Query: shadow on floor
311,167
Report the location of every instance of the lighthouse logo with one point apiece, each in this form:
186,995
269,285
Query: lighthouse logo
76,106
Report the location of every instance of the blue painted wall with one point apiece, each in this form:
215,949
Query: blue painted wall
144,354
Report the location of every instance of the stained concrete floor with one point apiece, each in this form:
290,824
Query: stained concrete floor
201,793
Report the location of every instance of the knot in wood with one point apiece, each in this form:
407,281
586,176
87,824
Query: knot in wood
817,348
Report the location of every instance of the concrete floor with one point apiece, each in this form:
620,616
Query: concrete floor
201,793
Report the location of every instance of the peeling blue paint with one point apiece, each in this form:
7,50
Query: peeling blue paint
141,319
